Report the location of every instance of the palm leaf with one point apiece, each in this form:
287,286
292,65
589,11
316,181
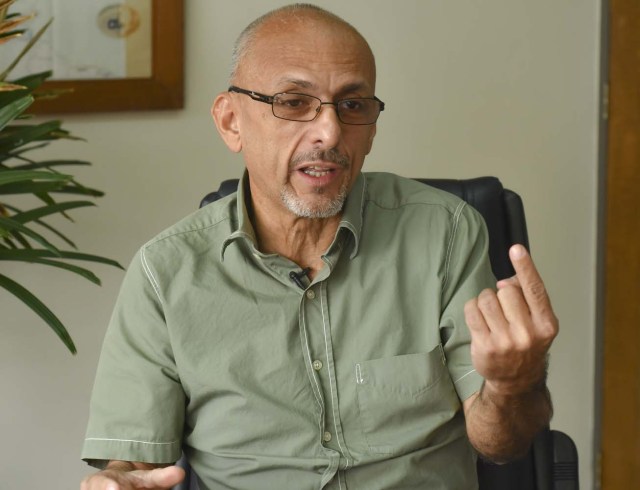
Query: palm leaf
11,176
25,50
9,112
81,190
14,22
40,309
30,187
15,136
48,163
64,254
34,214
86,273
11,226
45,225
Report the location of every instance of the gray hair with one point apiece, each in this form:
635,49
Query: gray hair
246,40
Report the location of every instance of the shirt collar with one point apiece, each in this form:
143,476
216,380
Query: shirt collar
352,215
243,226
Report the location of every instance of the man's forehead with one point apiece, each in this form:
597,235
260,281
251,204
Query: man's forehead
312,43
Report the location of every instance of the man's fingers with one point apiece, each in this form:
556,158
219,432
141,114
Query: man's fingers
475,321
510,281
161,478
532,286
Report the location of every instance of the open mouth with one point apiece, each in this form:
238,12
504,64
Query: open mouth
314,171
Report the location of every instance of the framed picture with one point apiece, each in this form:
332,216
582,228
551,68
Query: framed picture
121,56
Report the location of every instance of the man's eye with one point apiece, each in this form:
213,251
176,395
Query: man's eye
293,102
352,105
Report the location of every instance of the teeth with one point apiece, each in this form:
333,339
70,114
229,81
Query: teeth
315,172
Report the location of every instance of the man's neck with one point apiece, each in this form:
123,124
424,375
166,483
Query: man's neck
302,240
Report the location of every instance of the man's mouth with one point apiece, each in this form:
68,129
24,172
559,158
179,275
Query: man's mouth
314,171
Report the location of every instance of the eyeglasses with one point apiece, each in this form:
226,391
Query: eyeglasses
305,108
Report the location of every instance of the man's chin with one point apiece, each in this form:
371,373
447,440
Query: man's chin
319,208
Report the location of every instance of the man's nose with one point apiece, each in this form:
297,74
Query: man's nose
327,125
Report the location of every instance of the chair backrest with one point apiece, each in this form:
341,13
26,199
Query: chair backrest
552,461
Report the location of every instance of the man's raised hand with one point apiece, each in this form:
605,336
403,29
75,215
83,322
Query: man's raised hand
512,329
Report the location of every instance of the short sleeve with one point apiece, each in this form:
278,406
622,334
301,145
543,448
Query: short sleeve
137,405
467,272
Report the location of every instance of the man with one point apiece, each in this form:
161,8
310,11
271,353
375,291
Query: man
309,332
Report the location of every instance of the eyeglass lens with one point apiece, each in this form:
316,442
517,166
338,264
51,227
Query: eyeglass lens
300,107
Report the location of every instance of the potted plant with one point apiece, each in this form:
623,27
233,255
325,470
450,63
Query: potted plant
25,234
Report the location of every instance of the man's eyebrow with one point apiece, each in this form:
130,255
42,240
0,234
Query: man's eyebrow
297,82
353,87
305,84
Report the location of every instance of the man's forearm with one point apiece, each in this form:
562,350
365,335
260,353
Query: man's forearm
501,427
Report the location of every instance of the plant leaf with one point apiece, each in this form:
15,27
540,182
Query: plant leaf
15,136
11,225
4,4
84,191
7,87
9,24
86,273
45,225
40,309
30,82
5,37
11,176
49,163
25,50
9,112
34,214
30,187
65,254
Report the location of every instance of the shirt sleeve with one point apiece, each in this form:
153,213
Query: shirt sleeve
467,272
137,405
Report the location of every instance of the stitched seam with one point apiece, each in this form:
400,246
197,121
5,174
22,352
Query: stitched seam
326,346
312,378
129,440
464,376
149,274
456,220
176,233
418,203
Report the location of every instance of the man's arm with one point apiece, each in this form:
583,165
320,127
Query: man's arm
126,475
511,332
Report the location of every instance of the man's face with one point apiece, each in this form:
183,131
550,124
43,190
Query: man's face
304,168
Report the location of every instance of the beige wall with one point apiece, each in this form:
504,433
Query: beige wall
501,87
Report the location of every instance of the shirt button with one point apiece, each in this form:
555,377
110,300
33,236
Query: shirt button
317,365
326,437
310,294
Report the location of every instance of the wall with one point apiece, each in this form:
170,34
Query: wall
472,88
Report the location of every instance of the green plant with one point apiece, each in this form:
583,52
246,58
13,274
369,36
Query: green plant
21,237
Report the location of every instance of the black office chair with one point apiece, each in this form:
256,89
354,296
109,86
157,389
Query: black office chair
552,461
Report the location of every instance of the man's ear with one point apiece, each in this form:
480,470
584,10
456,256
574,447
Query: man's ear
224,115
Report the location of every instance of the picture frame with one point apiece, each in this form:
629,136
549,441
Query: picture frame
163,90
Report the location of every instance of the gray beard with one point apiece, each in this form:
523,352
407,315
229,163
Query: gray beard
326,209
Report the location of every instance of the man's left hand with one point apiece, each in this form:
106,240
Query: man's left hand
512,329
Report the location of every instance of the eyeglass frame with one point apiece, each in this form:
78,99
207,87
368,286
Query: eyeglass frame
268,99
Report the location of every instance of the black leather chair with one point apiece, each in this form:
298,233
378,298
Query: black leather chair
552,461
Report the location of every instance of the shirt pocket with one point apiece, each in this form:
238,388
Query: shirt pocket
403,400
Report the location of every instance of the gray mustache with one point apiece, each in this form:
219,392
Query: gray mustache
333,156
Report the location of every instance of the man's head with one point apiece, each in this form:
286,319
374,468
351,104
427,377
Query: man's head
304,168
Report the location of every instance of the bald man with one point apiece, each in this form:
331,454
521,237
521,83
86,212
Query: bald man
322,327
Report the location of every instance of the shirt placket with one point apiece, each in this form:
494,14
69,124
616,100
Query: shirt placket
315,325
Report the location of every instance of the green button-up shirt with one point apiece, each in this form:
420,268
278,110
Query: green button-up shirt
353,382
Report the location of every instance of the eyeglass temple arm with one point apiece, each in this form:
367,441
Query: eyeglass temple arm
267,99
